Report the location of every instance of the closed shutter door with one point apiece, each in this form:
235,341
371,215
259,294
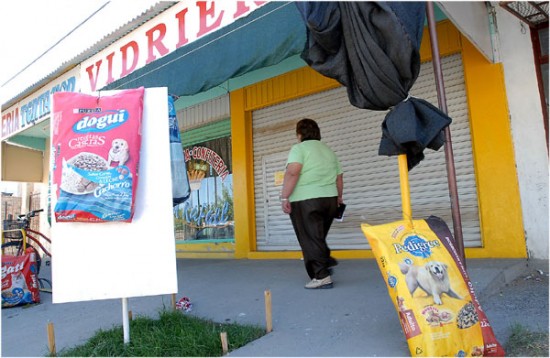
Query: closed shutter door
371,181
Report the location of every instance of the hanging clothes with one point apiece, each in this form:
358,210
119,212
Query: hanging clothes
373,48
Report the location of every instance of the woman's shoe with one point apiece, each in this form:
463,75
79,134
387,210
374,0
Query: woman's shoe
322,283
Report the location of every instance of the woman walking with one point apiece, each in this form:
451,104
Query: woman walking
312,191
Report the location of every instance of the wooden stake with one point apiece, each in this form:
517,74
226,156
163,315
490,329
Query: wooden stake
129,315
51,339
268,320
223,336
174,301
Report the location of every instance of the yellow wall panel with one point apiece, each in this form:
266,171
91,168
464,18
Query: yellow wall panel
46,162
494,161
297,255
243,182
448,40
298,83
205,250
22,164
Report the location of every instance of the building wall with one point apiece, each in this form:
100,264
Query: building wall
11,207
527,126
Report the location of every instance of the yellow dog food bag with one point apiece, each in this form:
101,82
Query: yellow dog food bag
430,289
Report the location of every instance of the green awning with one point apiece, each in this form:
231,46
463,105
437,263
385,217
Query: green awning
269,35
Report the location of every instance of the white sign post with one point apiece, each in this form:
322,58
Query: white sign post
120,260
125,321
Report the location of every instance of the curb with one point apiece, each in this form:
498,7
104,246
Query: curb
503,278
508,274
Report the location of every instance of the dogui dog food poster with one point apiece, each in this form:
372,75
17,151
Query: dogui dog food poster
96,144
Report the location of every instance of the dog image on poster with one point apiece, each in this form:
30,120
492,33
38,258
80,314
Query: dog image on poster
119,152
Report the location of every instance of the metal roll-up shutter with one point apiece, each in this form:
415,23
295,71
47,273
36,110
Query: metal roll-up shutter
371,181
204,113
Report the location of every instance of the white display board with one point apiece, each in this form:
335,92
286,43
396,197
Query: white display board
123,260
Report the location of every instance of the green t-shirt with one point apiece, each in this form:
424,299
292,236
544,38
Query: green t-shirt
320,166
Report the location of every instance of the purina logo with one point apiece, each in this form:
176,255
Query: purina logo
392,280
416,246
101,122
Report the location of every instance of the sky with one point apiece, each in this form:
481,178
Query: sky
29,28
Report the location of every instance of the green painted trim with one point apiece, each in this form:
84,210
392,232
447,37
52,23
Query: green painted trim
29,142
439,15
211,131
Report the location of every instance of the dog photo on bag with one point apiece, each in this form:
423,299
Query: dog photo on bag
432,278
119,152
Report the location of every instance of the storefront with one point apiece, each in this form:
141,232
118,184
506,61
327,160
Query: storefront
264,114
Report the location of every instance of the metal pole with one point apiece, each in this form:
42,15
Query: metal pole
449,157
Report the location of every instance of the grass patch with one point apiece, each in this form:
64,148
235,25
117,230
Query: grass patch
525,343
174,334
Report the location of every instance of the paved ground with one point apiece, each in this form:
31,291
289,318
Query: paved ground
524,301
355,318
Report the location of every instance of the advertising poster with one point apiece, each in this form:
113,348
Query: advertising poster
207,216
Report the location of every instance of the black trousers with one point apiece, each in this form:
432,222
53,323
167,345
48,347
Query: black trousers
311,220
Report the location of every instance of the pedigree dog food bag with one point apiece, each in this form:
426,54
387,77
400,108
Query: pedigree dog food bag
96,145
430,289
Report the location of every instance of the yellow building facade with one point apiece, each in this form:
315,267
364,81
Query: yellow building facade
499,208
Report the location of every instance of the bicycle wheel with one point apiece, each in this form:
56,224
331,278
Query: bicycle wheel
45,285
15,248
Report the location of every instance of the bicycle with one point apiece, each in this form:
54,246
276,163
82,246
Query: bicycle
15,240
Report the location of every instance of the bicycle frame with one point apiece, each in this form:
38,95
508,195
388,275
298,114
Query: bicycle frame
27,234
24,221
36,240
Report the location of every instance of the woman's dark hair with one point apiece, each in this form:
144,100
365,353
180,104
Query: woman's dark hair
308,129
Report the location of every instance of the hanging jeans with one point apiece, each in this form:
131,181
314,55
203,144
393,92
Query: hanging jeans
311,220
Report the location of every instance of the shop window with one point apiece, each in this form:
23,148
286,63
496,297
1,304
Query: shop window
539,36
208,214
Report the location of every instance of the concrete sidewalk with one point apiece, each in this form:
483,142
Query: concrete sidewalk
355,318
